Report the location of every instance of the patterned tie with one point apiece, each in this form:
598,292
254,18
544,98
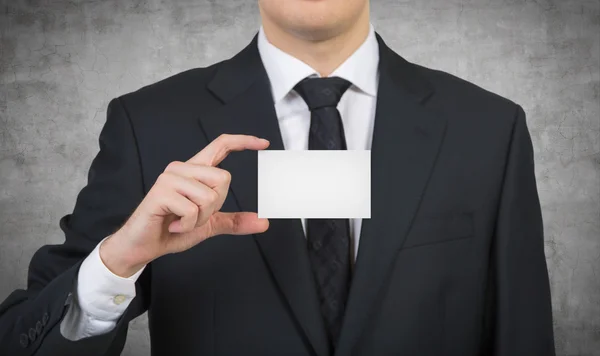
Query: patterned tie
328,239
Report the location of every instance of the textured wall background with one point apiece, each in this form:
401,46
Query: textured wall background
61,61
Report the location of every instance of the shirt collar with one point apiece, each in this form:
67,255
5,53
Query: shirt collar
285,71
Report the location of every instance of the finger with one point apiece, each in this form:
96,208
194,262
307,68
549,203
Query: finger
181,206
203,196
244,223
216,178
210,176
217,150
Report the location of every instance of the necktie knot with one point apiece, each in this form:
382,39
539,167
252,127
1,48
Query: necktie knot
322,92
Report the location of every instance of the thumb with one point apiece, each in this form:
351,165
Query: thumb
243,223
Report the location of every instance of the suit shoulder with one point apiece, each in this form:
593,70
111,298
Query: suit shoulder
475,114
457,93
178,88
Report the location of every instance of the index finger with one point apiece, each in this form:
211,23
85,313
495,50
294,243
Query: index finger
217,150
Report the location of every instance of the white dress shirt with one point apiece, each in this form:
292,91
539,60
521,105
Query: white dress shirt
101,297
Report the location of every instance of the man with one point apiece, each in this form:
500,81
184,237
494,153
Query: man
451,262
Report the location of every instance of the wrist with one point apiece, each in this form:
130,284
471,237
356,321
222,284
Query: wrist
119,259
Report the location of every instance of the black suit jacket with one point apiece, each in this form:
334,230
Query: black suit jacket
451,262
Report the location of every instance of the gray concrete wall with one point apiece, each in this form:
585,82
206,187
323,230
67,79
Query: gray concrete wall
61,61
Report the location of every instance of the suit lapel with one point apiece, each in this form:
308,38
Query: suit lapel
406,140
241,83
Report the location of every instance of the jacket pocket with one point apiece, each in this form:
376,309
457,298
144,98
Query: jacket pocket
431,229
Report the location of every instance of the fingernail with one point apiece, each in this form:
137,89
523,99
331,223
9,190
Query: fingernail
264,141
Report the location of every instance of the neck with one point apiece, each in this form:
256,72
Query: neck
323,54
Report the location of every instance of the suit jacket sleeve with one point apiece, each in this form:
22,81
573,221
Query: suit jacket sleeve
520,318
30,318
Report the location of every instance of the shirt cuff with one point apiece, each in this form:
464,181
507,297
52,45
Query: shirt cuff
102,294
77,325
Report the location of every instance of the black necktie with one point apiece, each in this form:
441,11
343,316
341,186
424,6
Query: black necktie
328,239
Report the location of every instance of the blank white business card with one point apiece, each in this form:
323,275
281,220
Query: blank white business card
314,184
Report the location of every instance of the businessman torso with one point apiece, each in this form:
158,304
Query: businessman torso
438,156
429,277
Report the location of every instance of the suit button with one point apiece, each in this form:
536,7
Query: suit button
335,265
45,318
332,225
32,334
24,340
333,305
316,245
38,327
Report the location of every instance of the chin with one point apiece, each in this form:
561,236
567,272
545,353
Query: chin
313,19
316,27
